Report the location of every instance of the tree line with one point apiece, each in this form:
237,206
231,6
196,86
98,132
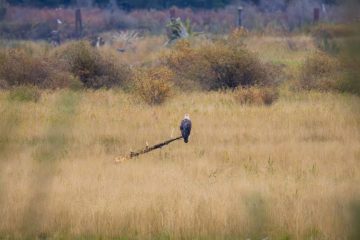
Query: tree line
133,4
123,3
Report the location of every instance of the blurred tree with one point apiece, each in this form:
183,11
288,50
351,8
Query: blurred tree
127,3
3,5
130,4
102,3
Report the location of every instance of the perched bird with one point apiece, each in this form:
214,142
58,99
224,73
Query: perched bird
185,127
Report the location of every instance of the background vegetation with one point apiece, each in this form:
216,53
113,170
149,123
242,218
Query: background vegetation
144,3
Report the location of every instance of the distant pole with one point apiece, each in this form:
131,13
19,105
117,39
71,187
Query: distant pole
316,15
324,11
240,13
78,23
172,13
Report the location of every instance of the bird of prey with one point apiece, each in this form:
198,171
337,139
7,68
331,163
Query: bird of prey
185,127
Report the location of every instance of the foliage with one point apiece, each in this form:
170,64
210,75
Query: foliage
256,95
351,64
216,65
185,62
153,85
94,68
33,65
325,36
25,94
176,30
127,4
320,71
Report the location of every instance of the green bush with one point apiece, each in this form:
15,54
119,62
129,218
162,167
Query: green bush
94,68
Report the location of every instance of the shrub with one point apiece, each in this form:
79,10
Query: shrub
232,67
351,65
325,36
187,64
333,30
25,94
256,95
153,85
31,65
19,67
216,65
94,68
320,71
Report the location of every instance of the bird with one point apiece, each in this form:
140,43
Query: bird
185,128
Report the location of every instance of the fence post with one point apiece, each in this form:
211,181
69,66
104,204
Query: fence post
240,11
172,13
78,23
316,15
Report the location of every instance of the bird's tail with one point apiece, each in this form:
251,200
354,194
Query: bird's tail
186,140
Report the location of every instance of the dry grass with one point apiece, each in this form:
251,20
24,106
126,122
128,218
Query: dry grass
288,171
321,71
256,95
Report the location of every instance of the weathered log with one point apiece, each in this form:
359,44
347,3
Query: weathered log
152,148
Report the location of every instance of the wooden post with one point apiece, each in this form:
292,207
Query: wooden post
240,11
316,15
172,13
78,23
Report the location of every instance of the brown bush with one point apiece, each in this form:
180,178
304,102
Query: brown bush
153,85
326,35
217,65
256,95
94,68
24,66
320,71
188,65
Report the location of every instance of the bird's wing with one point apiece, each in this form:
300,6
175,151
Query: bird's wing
182,125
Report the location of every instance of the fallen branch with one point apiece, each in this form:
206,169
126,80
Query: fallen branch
149,149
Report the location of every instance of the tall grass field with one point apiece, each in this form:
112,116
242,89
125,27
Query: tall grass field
286,171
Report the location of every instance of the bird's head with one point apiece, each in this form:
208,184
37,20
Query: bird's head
187,116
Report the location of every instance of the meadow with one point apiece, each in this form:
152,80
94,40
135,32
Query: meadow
273,154
288,171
